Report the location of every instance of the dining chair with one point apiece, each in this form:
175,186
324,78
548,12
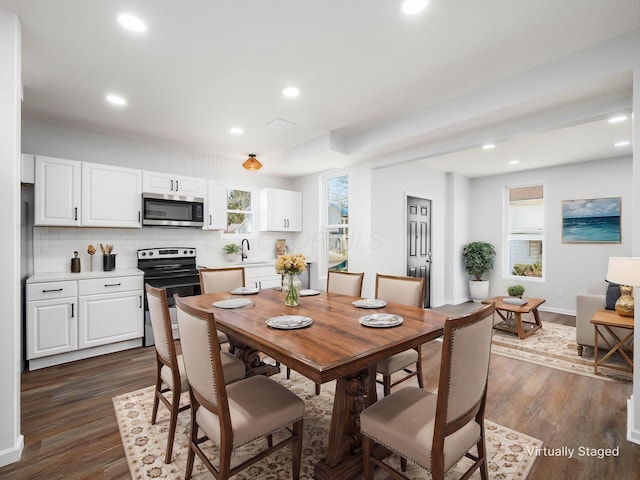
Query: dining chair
407,291
436,430
345,283
233,415
213,280
170,376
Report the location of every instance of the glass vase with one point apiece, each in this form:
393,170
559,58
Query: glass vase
291,286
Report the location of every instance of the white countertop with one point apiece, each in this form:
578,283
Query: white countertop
61,276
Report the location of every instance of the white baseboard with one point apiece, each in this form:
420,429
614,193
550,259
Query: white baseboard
13,454
633,435
557,310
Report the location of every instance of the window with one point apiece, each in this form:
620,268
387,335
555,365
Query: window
239,212
525,231
337,222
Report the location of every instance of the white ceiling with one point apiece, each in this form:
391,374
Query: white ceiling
207,65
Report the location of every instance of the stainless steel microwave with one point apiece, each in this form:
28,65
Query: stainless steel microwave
172,210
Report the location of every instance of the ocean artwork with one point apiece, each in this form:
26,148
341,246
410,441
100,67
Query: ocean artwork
591,220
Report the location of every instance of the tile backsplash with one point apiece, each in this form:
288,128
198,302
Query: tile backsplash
53,247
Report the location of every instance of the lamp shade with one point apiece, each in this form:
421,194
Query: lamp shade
624,271
252,163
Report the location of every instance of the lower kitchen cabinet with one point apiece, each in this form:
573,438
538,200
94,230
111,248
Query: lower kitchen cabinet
72,319
109,317
262,277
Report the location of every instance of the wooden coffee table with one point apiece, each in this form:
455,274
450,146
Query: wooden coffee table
512,322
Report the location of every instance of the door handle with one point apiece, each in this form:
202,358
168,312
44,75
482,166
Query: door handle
210,220
112,284
172,185
72,312
53,290
177,185
76,213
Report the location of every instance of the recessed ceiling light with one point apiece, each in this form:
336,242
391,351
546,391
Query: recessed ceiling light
131,22
236,130
413,7
617,119
514,162
488,146
623,143
290,92
116,99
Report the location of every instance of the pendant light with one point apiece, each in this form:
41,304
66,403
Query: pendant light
252,163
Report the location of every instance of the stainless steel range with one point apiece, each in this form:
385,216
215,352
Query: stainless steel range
173,269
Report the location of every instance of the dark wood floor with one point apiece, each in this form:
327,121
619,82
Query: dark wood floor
71,433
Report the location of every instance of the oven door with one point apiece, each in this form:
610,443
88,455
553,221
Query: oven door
172,210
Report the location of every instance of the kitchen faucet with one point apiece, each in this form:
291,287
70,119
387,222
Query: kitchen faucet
242,254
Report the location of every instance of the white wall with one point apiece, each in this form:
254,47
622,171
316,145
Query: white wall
54,246
569,269
11,441
389,188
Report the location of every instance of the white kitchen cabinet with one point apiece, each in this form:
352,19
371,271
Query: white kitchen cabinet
111,196
263,276
111,310
280,210
167,183
57,191
52,321
216,218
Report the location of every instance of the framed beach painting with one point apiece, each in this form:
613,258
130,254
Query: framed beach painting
591,220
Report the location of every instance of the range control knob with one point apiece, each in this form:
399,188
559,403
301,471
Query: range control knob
151,254
143,254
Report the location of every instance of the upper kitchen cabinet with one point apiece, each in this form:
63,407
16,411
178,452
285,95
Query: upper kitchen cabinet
169,184
280,210
57,191
111,196
216,218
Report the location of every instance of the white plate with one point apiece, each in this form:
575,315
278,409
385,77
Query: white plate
289,322
381,320
233,303
308,293
369,303
245,291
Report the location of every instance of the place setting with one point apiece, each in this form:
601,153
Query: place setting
381,320
288,322
235,302
245,291
369,303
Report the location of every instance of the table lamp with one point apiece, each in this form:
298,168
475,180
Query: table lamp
624,271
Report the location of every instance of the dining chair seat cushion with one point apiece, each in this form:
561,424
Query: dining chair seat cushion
234,368
397,362
396,420
222,338
167,376
258,406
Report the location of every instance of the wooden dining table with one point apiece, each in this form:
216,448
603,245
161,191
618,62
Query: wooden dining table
336,346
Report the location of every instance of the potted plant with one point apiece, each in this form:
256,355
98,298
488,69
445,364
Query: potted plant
479,258
515,291
231,249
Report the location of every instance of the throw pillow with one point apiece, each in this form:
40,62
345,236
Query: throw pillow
613,294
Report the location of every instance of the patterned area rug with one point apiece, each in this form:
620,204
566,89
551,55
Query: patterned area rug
555,346
145,444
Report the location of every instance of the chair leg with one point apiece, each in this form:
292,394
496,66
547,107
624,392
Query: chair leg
482,454
156,399
403,464
419,368
386,382
193,436
367,467
296,449
288,373
173,420
317,389
225,462
270,441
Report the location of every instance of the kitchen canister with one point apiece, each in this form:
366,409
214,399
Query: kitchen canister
109,262
75,263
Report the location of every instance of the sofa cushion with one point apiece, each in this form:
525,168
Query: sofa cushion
612,296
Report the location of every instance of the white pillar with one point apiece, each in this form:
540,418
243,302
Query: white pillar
633,404
11,441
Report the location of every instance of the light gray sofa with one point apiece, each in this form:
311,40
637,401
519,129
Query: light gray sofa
586,306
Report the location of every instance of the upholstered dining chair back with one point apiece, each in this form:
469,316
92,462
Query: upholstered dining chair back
213,280
345,283
201,354
405,290
161,324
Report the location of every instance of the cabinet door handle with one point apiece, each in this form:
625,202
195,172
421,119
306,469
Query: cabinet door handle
72,310
176,185
76,213
53,290
112,284
139,215
140,301
210,220
172,185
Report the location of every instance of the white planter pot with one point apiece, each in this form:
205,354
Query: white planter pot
479,290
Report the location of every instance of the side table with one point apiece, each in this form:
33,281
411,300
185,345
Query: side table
605,319
515,323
